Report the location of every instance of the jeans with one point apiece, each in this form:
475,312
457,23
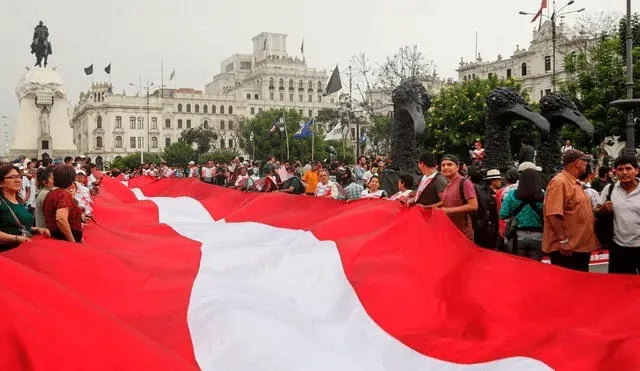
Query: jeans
529,245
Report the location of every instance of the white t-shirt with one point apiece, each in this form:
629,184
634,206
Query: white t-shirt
377,194
626,214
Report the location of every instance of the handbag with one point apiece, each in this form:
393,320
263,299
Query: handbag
603,226
512,223
23,230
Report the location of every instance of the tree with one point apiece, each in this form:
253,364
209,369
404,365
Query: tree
379,135
595,25
179,154
458,115
407,63
219,155
203,138
132,161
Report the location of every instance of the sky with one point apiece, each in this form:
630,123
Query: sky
194,36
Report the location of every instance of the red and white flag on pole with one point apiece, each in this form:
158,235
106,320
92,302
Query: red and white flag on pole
543,5
203,277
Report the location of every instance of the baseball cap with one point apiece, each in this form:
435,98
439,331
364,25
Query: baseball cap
191,163
528,166
452,158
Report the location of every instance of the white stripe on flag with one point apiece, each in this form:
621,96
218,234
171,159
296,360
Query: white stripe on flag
276,299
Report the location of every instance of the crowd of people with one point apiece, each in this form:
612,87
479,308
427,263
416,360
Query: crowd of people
565,216
40,197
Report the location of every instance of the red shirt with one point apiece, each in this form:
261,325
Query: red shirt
61,199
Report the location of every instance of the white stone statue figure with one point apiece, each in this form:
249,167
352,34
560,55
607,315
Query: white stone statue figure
44,121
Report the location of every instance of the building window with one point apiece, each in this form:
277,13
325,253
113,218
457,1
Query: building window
188,124
197,108
473,76
291,97
140,142
167,123
179,107
310,85
188,107
300,112
167,142
319,85
524,69
319,98
154,123
255,96
230,111
509,73
99,122
118,142
310,113
230,143
300,97
230,125
206,124
271,95
291,84
132,142
253,110
281,84
132,122
249,96
300,85
271,83
154,142
118,122
310,98
490,75
140,123
281,96
259,109
180,124
45,144
221,124
204,108
213,108
222,143
547,91
222,110
547,63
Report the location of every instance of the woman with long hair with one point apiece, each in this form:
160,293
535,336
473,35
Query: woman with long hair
45,183
524,204
16,222
373,189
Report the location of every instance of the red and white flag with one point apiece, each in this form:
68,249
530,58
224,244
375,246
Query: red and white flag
543,5
203,277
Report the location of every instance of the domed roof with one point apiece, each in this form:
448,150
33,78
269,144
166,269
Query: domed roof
40,80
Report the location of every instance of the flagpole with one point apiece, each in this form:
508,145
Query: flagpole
286,135
313,136
161,78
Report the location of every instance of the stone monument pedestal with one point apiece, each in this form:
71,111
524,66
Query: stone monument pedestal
43,122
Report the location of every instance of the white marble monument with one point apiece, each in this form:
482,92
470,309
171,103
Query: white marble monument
43,121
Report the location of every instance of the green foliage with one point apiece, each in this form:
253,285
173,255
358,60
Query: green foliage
379,135
219,155
203,138
458,115
268,143
132,161
340,151
179,154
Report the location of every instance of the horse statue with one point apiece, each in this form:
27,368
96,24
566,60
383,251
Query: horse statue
40,46
410,103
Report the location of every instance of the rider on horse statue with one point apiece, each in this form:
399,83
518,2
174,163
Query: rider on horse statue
40,45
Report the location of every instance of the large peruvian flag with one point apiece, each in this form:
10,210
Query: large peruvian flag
180,275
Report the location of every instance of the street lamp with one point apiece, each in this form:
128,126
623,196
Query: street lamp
147,87
553,18
252,139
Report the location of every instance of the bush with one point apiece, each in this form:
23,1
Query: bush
219,155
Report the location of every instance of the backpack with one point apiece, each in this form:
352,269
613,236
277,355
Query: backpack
603,227
486,204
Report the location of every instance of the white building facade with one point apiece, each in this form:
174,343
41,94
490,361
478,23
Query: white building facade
107,125
532,67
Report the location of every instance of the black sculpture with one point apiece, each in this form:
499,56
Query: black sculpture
559,110
504,106
410,101
40,45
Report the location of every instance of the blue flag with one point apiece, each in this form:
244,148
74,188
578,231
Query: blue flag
305,131
363,137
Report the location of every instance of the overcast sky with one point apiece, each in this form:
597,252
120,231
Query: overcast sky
193,36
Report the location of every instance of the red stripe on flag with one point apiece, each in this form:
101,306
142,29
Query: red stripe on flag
543,5
422,282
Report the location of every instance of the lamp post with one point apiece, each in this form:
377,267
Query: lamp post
147,87
629,103
555,14
252,139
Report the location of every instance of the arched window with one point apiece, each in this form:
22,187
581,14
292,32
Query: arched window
118,142
213,108
291,84
319,85
230,110
99,142
222,110
197,108
179,107
188,107
271,83
154,142
204,108
524,69
281,84
206,124
300,85
310,85
99,122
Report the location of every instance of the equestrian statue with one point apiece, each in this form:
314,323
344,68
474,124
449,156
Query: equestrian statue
559,110
40,45
505,106
410,102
